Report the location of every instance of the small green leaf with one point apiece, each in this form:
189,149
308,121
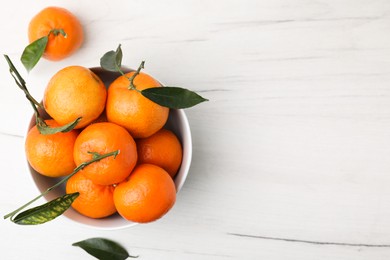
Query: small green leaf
104,249
173,97
33,52
112,60
47,211
44,129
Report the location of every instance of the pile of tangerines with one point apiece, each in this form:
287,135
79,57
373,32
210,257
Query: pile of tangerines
138,182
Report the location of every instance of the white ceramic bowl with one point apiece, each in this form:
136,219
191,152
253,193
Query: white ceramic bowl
177,122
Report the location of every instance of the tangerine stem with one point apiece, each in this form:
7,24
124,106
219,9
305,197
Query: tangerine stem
77,169
58,31
131,79
21,82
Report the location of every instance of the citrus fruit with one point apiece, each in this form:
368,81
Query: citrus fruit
163,149
147,195
94,201
49,22
128,108
102,138
73,92
51,155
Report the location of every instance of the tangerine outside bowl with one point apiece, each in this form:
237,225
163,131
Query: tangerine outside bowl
177,122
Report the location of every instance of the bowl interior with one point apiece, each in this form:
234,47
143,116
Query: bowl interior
177,122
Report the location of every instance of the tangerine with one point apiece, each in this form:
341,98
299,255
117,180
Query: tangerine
102,138
130,109
51,155
49,22
73,92
147,195
94,201
163,149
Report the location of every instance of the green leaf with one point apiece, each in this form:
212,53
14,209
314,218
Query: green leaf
103,249
33,52
173,97
47,211
112,60
44,129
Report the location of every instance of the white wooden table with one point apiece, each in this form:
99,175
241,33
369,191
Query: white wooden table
291,153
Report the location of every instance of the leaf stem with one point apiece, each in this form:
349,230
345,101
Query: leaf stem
131,79
95,158
20,82
58,31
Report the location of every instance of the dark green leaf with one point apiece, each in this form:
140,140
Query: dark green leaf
47,211
103,249
47,130
112,60
173,97
33,52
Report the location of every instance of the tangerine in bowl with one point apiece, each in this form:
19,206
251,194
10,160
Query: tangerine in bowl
150,154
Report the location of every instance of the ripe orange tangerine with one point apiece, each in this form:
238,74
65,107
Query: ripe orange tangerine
130,109
51,20
147,195
163,149
94,201
102,138
74,92
51,155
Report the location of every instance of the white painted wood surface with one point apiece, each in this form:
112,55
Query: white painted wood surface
291,153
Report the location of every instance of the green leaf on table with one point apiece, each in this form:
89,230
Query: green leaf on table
112,60
44,129
173,97
33,52
103,249
47,211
